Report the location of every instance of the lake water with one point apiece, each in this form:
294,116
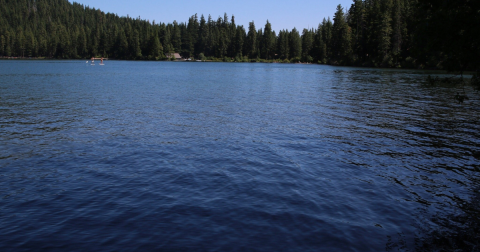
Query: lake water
228,157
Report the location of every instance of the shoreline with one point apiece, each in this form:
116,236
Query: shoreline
251,61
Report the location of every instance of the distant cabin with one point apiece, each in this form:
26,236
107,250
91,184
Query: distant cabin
176,55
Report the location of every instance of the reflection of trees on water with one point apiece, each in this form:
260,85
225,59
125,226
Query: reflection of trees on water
425,144
453,232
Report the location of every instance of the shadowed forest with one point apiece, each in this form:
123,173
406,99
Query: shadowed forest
429,34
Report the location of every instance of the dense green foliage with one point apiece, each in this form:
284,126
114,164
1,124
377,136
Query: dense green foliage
382,33
450,32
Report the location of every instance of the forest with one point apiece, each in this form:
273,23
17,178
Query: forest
429,34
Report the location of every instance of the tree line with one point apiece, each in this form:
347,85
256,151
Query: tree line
379,33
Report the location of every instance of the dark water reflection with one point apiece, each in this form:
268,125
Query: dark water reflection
213,156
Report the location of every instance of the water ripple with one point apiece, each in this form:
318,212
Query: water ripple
215,156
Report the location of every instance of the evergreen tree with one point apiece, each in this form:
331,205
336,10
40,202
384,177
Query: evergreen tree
168,44
82,43
20,42
191,36
137,51
385,33
211,39
384,39
176,39
259,44
232,46
156,49
397,28
103,44
203,32
327,28
239,41
2,45
222,43
295,45
358,26
52,40
307,45
122,45
319,53
341,38
283,44
251,44
268,42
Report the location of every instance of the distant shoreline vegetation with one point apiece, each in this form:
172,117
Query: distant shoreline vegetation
428,34
207,59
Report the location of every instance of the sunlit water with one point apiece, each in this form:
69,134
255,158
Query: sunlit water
227,157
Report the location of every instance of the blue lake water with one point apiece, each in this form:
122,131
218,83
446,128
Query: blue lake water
141,156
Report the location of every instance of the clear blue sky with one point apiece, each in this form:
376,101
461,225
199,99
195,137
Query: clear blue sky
281,14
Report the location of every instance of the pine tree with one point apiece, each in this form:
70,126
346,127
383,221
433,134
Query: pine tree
74,43
167,42
251,41
259,44
191,36
202,36
52,40
319,47
341,40
295,45
122,45
176,37
82,43
358,26
232,46
20,42
30,44
156,49
222,43
385,38
268,42
2,45
327,27
239,41
137,51
210,37
283,44
307,45
103,44
397,25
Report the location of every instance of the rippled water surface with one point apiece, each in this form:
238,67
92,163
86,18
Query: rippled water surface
227,157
